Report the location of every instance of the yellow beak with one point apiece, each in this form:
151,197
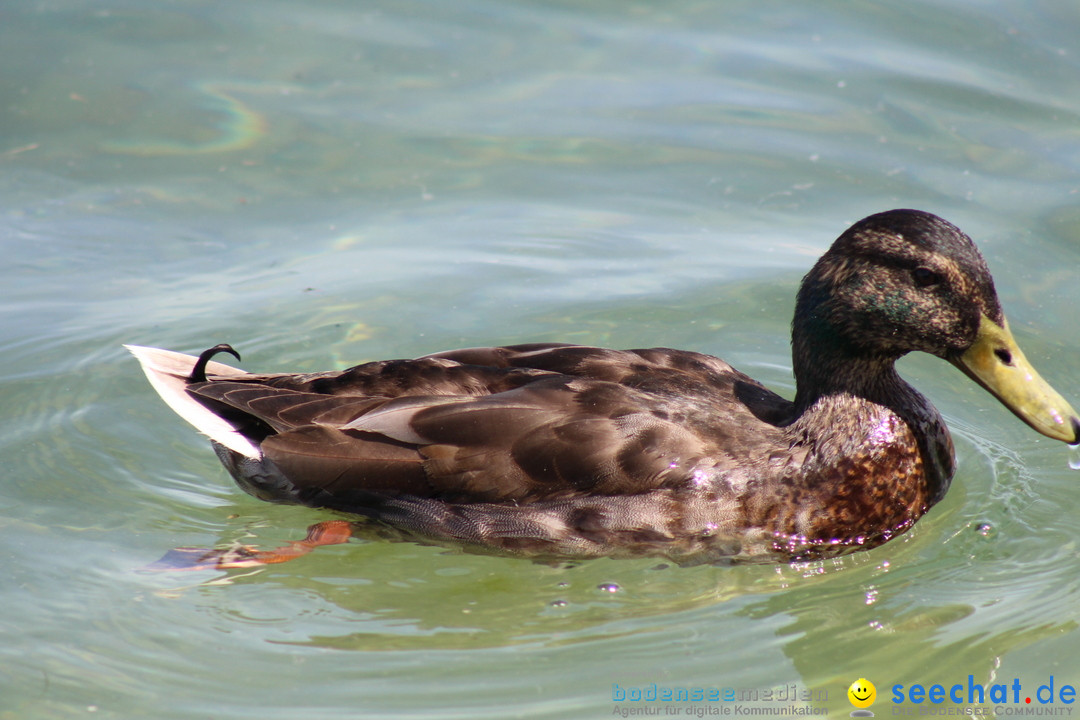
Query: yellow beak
996,362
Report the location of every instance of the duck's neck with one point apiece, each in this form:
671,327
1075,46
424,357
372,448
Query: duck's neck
839,389
825,366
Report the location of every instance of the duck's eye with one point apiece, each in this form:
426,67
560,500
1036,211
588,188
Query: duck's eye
925,277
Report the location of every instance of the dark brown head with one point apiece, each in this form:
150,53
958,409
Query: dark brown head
907,280
894,282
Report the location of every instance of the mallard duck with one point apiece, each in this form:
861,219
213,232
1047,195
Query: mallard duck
567,451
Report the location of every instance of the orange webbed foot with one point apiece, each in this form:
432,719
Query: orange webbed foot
330,532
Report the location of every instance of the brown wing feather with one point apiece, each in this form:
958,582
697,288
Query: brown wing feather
335,462
518,424
284,409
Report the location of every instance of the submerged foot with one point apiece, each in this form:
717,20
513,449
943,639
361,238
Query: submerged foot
331,532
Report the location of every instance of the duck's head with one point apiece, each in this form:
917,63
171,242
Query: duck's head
907,280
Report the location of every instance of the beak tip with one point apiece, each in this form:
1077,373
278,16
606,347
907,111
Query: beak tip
1076,431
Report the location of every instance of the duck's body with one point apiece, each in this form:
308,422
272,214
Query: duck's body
558,450
569,451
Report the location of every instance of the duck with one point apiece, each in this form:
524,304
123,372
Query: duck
567,452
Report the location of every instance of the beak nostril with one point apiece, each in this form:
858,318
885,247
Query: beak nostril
1004,356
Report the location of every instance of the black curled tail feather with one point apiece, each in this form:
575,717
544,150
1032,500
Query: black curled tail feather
198,373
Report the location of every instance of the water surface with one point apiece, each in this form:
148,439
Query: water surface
321,184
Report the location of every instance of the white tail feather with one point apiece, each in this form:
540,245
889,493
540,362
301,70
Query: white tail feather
168,373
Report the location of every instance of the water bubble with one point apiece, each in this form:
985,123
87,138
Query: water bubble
985,529
557,603
1074,456
608,587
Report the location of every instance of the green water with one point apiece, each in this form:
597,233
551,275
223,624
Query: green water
323,183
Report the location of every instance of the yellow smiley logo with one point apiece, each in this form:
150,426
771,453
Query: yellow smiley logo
862,693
